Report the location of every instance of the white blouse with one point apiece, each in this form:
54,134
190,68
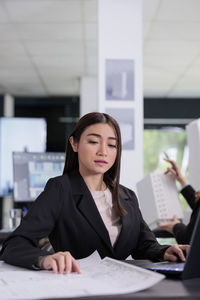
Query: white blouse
108,212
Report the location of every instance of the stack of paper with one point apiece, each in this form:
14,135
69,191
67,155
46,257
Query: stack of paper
158,198
100,277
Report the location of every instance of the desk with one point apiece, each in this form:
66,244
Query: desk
167,289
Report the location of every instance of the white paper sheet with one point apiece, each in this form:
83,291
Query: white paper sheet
100,277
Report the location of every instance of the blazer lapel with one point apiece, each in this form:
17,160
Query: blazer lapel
87,206
126,221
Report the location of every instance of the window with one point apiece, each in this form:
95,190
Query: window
171,140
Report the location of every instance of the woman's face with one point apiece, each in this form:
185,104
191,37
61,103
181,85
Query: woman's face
97,149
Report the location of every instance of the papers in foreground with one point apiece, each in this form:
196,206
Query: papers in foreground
100,277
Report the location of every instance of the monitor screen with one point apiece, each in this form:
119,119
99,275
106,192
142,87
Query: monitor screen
32,171
18,134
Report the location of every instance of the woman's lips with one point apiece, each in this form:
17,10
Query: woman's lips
100,162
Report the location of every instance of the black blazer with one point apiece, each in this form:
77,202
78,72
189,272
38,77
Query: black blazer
182,232
66,212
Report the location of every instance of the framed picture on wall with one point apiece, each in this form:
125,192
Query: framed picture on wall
119,77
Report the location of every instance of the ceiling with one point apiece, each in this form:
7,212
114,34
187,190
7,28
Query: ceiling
46,46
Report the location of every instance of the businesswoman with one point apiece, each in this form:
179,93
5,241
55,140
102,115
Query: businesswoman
182,232
86,209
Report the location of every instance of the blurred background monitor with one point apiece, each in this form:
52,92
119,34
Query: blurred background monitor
32,171
18,134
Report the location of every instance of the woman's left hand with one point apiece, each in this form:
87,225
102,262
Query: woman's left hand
176,252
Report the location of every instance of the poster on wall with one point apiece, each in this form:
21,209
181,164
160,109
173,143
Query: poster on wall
125,119
119,79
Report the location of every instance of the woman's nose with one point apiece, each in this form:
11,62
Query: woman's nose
102,150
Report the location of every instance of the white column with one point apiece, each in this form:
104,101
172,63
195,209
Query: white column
7,202
120,78
88,95
8,106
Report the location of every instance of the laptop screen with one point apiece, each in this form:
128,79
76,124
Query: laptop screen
189,269
192,265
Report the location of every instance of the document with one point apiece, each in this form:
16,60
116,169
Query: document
158,198
100,277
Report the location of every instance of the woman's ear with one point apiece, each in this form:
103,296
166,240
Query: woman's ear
73,144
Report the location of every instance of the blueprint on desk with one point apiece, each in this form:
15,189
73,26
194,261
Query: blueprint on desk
99,277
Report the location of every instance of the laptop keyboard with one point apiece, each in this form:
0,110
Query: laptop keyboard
167,266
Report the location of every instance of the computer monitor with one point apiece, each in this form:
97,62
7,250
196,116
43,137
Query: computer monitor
18,134
32,171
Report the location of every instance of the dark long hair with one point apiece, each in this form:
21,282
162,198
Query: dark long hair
111,177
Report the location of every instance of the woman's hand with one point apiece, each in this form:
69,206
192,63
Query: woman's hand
175,171
176,252
61,262
169,225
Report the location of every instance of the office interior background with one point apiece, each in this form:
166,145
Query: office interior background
47,46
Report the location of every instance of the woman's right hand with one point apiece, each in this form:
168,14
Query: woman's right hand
175,171
61,262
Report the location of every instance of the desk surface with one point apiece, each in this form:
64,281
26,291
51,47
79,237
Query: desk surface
167,289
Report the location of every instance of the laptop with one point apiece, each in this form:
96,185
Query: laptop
191,267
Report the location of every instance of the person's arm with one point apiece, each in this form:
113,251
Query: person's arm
183,233
149,248
21,248
190,195
187,191
147,245
175,171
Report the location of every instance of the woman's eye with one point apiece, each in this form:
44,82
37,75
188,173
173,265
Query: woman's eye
92,142
112,146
